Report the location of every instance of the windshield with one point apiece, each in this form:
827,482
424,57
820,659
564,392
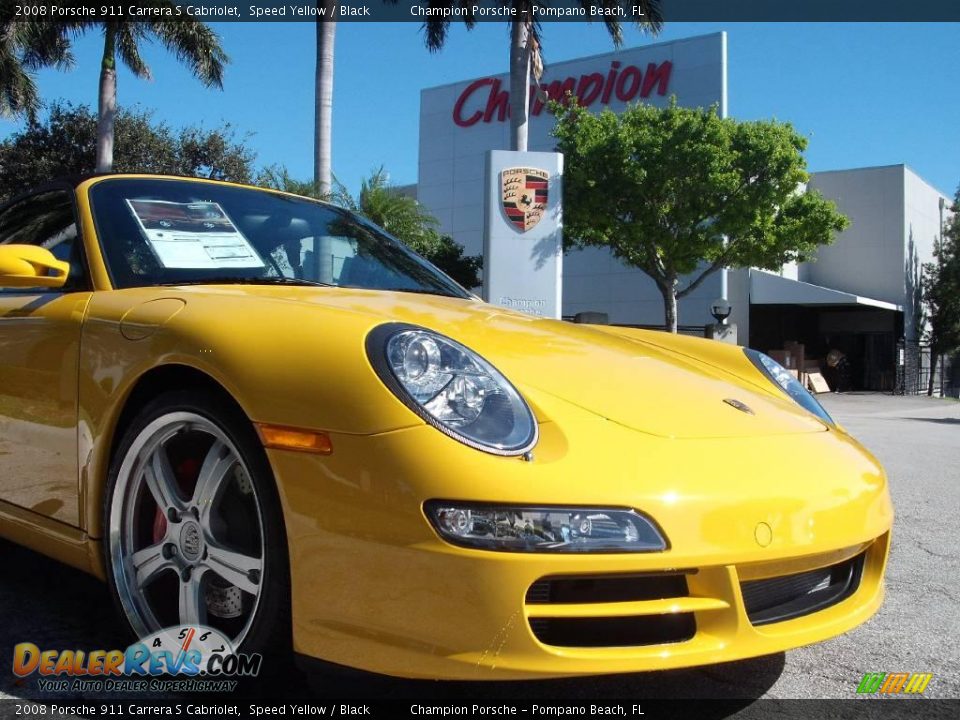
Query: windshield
169,231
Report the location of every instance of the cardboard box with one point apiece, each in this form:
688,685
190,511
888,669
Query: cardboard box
798,351
784,357
816,383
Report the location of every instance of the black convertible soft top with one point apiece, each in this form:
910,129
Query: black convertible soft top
70,182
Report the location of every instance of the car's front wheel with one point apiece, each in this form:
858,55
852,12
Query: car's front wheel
194,528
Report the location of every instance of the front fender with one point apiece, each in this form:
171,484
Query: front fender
284,365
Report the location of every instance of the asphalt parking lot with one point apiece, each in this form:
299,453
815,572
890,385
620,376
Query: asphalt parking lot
917,439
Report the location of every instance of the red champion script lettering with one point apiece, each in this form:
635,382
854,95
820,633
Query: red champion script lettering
620,83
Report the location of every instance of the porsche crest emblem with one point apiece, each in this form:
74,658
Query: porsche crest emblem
523,192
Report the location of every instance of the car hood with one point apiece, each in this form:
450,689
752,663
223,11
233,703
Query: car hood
632,381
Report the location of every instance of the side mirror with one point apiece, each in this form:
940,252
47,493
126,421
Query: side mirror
28,266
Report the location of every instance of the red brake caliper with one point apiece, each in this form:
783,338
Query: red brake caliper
186,474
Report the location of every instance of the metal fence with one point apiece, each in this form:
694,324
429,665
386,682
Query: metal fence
914,371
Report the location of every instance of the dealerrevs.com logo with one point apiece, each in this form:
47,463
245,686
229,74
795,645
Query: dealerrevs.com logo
199,659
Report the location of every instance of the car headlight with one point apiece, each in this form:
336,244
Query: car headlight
452,388
783,379
544,529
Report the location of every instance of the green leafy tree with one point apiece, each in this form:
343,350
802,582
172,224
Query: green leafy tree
680,193
25,47
941,293
526,57
194,43
397,213
448,255
64,143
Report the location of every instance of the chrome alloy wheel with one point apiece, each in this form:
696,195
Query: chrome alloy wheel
186,530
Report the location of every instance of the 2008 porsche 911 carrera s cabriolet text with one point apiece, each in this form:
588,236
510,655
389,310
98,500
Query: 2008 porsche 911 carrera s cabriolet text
258,413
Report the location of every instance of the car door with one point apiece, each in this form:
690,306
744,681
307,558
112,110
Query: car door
39,355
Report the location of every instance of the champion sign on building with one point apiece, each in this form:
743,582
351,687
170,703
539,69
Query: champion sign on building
492,103
461,123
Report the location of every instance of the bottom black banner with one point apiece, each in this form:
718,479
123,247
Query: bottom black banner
885,709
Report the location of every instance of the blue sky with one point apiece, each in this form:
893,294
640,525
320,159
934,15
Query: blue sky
864,94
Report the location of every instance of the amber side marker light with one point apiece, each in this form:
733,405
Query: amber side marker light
285,438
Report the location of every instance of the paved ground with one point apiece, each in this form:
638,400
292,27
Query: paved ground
917,439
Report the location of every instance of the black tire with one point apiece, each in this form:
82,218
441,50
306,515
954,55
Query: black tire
269,632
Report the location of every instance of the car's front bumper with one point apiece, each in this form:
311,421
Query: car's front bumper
375,588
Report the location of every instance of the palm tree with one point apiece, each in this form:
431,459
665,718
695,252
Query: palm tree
323,100
399,214
525,47
193,42
412,224
379,201
25,47
279,177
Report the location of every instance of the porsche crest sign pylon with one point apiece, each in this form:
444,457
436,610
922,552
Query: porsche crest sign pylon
524,193
522,238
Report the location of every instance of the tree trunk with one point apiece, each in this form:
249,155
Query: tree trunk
323,130
519,84
933,372
107,103
668,290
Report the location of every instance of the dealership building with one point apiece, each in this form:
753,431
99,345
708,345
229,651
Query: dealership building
858,295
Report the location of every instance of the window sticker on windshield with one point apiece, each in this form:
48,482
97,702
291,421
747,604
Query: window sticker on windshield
193,235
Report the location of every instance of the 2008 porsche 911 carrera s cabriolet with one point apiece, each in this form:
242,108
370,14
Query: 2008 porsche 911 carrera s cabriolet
258,413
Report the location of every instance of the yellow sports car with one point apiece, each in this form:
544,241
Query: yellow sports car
258,413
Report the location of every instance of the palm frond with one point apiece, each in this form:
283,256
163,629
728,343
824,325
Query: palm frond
43,44
435,33
18,93
611,23
535,45
652,14
27,46
340,195
437,28
128,48
195,44
651,23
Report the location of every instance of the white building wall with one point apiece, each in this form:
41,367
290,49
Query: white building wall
895,217
450,180
738,295
921,231
866,258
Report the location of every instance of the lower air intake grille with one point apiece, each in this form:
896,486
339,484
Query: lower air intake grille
790,596
614,631
607,588
593,628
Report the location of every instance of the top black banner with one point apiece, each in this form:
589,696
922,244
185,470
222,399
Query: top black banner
483,10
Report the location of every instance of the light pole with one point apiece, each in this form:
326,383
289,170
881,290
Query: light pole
942,204
721,309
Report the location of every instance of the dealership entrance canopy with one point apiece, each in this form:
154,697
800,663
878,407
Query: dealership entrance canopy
769,289
859,292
